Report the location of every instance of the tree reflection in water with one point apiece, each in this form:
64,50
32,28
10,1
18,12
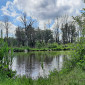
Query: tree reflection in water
30,65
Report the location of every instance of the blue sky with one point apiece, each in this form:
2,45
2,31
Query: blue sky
42,11
3,2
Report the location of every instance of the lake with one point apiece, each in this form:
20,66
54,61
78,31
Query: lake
38,64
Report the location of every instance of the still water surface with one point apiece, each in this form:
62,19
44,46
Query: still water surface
36,64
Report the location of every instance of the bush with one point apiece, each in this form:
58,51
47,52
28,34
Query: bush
4,59
78,57
54,45
39,44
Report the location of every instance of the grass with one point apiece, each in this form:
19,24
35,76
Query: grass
22,49
48,47
74,77
45,52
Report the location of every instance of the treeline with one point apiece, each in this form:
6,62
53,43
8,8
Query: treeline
32,37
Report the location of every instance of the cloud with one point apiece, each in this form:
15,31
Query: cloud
44,10
49,9
18,18
9,9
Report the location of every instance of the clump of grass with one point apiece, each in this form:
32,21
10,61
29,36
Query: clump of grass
74,77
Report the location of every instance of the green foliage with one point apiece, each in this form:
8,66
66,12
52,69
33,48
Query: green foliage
16,49
20,36
3,49
1,54
39,44
10,73
81,64
53,45
20,49
53,73
4,66
74,77
78,57
68,33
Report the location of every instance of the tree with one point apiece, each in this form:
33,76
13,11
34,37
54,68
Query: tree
23,20
48,35
27,26
72,33
56,30
80,20
6,25
30,35
20,35
68,33
38,34
65,33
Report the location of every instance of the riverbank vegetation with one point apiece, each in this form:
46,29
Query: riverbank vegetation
47,47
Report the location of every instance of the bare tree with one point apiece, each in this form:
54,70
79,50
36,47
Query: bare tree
31,21
23,19
27,25
6,25
56,30
45,26
65,19
49,24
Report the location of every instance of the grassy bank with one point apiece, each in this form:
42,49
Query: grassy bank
74,77
48,47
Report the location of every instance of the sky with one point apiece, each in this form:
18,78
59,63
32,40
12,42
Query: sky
43,11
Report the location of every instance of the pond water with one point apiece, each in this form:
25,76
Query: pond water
37,64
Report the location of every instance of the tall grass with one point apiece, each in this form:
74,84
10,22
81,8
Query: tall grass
74,77
5,59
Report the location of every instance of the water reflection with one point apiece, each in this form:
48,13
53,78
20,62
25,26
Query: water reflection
30,65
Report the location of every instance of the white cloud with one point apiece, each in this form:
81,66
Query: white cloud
9,9
18,18
49,9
